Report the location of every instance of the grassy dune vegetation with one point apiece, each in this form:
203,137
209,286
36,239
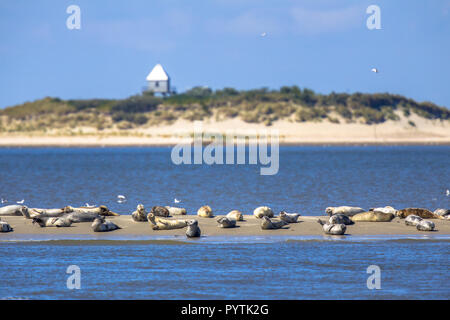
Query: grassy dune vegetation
253,106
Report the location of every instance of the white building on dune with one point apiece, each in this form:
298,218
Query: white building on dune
158,81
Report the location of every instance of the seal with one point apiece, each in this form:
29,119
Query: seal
5,227
14,210
267,224
36,212
78,216
139,215
386,209
289,217
333,229
102,210
412,220
263,212
160,211
224,222
236,215
205,212
101,225
340,219
423,213
443,213
345,210
175,211
425,225
158,223
373,216
52,222
193,231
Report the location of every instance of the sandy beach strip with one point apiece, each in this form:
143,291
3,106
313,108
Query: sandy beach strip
307,226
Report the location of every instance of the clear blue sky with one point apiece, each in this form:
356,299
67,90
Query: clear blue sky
319,44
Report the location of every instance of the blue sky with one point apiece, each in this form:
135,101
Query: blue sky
320,44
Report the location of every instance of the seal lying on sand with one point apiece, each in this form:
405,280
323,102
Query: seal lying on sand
236,215
101,225
425,225
139,215
52,222
340,219
423,213
14,210
193,231
386,209
289,217
267,224
443,213
160,211
102,210
158,223
373,216
174,211
333,229
205,212
412,220
5,227
81,216
224,222
263,212
345,210
35,212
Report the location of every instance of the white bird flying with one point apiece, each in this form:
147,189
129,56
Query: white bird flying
263,34
121,198
374,70
448,193
21,201
176,200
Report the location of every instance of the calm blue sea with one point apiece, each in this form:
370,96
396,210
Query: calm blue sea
309,180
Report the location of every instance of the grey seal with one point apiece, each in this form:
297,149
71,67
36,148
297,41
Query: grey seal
425,225
443,213
263,212
236,215
333,229
423,213
205,212
340,219
345,210
175,211
5,227
267,224
52,222
412,220
224,222
101,225
289,217
14,210
159,211
193,230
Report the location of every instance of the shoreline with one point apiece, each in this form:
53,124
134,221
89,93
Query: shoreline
307,226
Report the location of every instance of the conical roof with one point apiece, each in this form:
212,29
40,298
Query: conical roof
157,74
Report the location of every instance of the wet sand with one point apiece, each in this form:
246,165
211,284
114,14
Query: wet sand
307,226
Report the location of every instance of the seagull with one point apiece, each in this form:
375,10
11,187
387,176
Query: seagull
448,193
374,70
121,198
4,200
263,34
176,200
21,201
89,206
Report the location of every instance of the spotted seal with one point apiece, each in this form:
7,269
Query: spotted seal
289,217
333,229
425,225
139,215
101,225
345,210
412,220
373,216
160,211
268,224
205,212
175,211
224,222
340,219
263,212
193,230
